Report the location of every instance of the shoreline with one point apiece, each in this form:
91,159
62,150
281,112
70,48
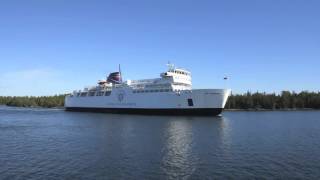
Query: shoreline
57,107
262,110
225,110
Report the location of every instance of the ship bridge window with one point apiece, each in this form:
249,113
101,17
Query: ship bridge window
107,93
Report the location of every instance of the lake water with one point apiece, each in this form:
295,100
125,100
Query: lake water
53,144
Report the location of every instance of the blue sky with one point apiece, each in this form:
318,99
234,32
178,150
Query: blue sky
56,46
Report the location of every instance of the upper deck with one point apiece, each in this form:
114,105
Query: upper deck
174,79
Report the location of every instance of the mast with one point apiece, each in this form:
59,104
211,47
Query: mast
120,73
170,66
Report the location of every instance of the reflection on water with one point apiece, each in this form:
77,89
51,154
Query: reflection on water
178,160
42,144
182,139
225,136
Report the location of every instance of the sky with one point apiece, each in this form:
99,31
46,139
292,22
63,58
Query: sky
56,46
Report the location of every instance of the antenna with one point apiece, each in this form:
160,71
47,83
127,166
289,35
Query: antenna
170,65
120,73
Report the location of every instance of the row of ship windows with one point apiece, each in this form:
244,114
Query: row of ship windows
108,93
151,91
179,72
84,94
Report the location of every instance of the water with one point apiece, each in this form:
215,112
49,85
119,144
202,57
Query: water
53,144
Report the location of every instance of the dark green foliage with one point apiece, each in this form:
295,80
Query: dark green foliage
285,100
31,101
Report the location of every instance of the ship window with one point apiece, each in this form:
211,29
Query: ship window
100,93
167,90
107,93
92,93
83,94
190,102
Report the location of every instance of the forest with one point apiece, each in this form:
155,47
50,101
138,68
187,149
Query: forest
32,101
246,101
283,100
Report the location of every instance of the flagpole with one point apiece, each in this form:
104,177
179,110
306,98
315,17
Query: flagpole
226,78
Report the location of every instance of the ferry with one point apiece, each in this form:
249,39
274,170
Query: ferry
170,94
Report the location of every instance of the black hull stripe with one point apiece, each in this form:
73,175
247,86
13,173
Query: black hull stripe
178,112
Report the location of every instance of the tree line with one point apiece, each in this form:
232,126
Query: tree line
284,100
32,101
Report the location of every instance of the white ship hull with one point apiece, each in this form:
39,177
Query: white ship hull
184,102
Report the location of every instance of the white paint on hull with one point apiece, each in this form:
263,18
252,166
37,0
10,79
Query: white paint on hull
125,98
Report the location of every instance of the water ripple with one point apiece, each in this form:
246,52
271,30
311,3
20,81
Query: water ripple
53,144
